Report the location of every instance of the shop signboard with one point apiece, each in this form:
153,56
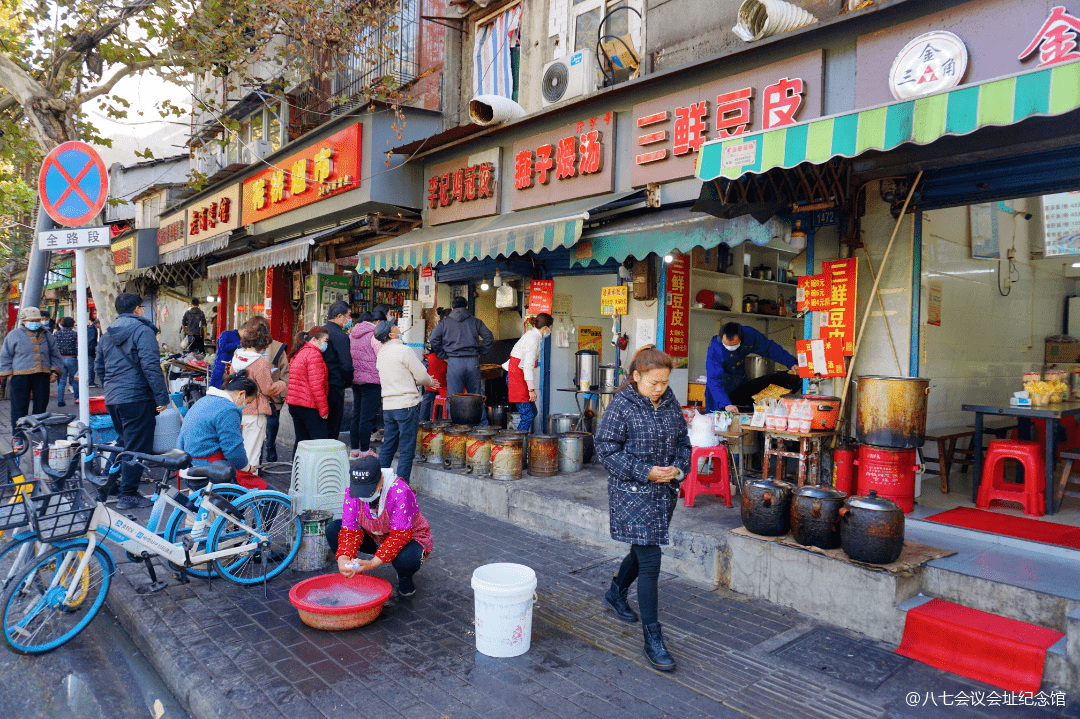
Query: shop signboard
323,169
573,161
613,300
562,305
1001,38
124,255
541,296
677,310
812,294
591,338
820,357
932,62
464,188
839,321
172,232
669,131
1061,223
933,314
213,215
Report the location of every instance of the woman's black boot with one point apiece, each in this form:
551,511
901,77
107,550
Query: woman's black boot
615,599
655,651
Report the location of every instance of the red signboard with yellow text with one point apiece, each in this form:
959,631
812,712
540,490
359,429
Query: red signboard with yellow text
839,320
677,312
326,168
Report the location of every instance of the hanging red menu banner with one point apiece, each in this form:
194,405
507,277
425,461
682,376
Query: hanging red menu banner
676,314
839,321
822,358
813,293
541,296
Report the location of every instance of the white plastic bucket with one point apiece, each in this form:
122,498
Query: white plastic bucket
504,598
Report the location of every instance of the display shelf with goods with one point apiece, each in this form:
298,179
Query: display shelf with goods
393,290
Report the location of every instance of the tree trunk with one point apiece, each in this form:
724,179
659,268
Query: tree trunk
104,288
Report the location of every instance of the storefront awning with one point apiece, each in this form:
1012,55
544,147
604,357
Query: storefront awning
196,249
961,111
671,230
284,254
500,235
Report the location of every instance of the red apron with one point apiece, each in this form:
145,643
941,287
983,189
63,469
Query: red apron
517,390
244,479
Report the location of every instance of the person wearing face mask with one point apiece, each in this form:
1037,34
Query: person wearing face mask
380,516
129,364
521,369
400,371
643,443
307,393
727,387
254,339
211,429
339,366
29,359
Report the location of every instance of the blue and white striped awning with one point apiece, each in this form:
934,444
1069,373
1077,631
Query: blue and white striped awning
515,233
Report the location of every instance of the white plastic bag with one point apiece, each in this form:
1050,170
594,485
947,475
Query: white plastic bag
505,297
703,430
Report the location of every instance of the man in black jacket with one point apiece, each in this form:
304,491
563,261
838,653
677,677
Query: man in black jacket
129,365
339,367
193,325
461,340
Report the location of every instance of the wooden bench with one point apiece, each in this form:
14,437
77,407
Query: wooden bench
1064,484
946,438
999,427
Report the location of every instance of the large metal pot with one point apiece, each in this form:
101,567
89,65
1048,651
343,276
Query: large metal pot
466,409
609,376
891,411
758,366
559,423
872,529
588,369
766,507
815,516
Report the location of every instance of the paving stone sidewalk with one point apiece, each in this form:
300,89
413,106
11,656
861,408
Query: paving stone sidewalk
232,652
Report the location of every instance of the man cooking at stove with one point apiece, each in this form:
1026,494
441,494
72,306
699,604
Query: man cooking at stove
728,387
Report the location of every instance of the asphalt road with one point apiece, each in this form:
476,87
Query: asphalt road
98,675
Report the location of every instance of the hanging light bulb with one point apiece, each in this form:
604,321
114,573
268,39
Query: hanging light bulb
497,280
669,259
211,298
484,286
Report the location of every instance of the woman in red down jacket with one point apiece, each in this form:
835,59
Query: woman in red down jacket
307,395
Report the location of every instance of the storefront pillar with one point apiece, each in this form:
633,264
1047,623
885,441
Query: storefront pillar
661,305
916,293
808,322
223,306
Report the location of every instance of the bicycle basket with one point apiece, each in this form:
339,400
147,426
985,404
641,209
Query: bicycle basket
62,515
12,507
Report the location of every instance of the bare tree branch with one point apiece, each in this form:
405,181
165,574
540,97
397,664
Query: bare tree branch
107,86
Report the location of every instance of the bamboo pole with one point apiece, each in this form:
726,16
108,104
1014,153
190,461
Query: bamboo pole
873,291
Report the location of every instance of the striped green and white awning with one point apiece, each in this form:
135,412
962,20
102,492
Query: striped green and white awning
963,110
515,233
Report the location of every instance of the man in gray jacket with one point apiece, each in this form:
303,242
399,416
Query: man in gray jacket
30,360
461,340
129,365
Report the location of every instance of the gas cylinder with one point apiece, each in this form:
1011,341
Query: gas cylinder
844,469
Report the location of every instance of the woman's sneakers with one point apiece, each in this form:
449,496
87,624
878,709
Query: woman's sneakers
405,587
655,651
615,599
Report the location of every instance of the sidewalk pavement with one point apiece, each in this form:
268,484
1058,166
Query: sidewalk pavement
227,651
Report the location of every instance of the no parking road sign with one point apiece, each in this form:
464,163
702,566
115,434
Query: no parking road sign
73,184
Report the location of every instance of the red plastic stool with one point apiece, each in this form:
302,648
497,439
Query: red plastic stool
439,402
994,487
717,483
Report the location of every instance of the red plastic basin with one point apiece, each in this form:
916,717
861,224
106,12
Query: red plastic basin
97,405
334,603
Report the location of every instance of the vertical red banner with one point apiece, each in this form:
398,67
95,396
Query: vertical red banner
839,320
541,296
677,312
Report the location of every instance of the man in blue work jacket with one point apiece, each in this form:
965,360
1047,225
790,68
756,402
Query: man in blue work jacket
728,387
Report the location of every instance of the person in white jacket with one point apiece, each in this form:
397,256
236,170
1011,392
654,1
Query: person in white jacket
400,371
521,369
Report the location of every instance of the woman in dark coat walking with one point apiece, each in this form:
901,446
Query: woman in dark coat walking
643,442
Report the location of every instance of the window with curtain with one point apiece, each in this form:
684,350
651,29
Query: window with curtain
496,55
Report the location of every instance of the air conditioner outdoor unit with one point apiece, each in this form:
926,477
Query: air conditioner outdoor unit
208,163
261,148
568,77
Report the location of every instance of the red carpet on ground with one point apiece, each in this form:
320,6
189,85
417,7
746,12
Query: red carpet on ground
1005,653
1010,526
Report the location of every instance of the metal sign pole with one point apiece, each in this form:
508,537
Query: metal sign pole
80,327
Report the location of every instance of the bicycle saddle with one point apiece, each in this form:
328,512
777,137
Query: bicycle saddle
218,472
173,459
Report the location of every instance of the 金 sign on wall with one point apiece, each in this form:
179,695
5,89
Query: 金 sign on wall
573,161
324,169
668,132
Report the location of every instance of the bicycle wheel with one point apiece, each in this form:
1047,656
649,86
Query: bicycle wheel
17,555
178,527
36,618
268,513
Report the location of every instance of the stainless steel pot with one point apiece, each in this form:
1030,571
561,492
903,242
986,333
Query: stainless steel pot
588,368
758,366
561,423
609,375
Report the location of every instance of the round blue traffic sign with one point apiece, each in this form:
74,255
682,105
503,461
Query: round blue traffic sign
73,184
